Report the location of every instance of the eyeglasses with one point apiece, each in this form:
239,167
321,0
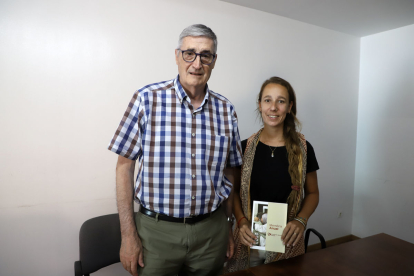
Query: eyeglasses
190,56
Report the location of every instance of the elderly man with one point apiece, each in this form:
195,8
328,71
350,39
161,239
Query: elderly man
185,138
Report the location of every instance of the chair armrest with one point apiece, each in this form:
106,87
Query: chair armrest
78,268
319,235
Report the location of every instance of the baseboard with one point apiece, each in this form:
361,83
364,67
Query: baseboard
333,242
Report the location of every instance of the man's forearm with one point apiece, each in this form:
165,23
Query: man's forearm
233,175
130,254
124,196
228,205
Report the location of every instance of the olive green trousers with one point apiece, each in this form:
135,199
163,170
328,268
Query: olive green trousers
195,249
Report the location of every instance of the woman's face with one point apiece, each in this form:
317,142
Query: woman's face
274,105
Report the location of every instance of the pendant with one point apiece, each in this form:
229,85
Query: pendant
272,154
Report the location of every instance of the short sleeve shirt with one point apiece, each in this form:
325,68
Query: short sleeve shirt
181,152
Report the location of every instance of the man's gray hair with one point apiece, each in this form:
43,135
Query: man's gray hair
198,30
264,218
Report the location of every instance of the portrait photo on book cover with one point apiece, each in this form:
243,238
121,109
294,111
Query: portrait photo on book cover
259,223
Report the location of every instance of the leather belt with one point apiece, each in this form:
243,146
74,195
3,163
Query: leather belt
188,220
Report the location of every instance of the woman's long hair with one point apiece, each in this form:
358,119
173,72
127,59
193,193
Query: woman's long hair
290,127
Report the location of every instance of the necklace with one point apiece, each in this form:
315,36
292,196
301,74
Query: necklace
272,150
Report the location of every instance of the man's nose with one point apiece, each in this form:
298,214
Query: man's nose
197,63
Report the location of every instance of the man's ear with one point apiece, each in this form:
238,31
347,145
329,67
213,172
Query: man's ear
214,63
176,56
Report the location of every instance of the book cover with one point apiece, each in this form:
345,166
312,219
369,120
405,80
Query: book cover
276,223
268,222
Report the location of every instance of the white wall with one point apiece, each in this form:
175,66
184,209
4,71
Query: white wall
384,174
68,70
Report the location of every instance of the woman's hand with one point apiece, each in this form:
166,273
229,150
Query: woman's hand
246,236
292,233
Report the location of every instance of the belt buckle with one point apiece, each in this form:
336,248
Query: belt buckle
189,217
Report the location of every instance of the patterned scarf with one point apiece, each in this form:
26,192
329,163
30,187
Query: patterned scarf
241,258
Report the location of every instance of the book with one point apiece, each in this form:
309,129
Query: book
268,222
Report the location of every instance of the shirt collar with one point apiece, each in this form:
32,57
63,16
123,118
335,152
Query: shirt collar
182,95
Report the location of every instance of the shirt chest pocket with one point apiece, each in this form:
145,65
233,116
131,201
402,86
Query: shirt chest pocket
216,152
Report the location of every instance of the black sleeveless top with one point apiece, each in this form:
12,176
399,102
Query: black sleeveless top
270,180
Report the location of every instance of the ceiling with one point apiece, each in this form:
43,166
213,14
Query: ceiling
355,17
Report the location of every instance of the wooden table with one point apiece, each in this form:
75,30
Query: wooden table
380,254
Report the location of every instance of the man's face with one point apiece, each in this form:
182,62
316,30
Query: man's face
194,75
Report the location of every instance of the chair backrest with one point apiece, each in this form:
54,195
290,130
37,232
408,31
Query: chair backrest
99,243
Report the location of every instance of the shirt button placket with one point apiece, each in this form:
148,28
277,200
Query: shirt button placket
193,162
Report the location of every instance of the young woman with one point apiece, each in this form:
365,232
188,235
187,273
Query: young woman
279,165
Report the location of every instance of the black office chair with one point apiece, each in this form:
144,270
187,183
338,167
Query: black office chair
321,238
99,244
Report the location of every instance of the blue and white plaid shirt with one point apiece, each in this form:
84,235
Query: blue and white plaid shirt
181,152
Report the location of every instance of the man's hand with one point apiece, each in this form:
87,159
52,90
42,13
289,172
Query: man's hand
131,255
230,246
233,175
